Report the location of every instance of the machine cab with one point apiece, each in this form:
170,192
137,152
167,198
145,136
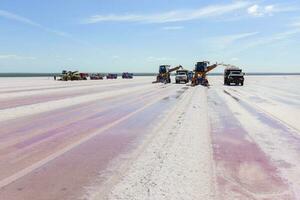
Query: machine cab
164,69
233,71
201,66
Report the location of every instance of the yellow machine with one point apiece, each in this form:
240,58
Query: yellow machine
164,73
72,75
201,69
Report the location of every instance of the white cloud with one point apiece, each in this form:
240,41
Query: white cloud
222,42
15,17
254,10
170,28
269,9
16,57
171,16
159,59
286,34
229,39
295,23
262,10
272,38
24,20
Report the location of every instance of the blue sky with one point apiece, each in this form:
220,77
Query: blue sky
138,35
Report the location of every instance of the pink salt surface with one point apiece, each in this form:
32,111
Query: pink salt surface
38,98
53,130
291,135
35,84
242,169
66,176
27,125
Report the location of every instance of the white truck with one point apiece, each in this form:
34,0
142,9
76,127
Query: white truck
181,76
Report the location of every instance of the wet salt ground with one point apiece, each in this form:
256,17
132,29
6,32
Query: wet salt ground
52,95
265,108
243,170
65,177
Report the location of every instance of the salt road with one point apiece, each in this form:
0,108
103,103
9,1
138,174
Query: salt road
130,139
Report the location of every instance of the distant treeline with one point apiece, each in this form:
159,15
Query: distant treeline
135,74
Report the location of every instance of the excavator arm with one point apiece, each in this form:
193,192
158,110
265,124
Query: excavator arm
209,68
175,68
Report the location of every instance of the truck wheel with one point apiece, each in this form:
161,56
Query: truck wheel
242,83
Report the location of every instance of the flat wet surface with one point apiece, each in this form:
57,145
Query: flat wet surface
57,95
29,140
61,153
243,170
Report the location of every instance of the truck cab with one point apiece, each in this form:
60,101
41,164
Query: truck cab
164,74
182,76
201,66
164,69
233,75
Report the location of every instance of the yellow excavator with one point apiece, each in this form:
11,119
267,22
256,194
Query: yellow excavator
165,73
72,75
201,69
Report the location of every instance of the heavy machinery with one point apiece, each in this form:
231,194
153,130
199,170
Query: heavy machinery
72,75
182,76
127,75
96,76
201,69
165,73
111,76
190,75
234,75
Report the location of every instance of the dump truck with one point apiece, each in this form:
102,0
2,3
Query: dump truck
127,75
165,73
200,72
72,75
182,76
234,75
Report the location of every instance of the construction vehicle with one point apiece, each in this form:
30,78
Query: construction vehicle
234,75
165,73
200,72
127,75
182,76
96,76
111,76
190,75
72,75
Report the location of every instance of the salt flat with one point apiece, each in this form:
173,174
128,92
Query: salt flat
131,139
